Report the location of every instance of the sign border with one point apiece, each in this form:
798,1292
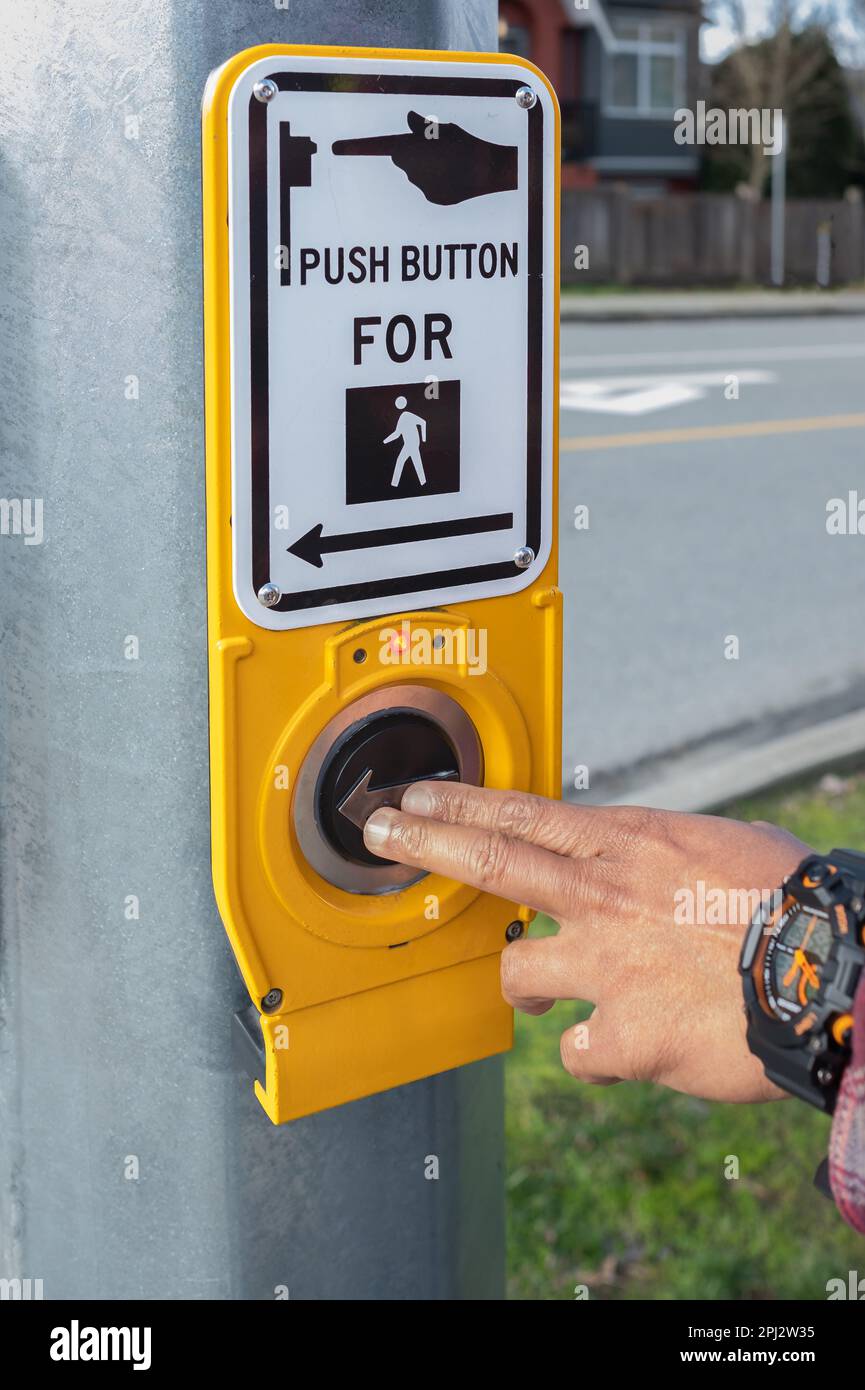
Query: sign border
352,83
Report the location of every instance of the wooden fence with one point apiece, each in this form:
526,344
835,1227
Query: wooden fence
707,239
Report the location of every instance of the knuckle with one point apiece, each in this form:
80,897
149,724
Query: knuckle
599,897
638,835
630,1045
411,837
616,891
645,1043
451,801
518,815
638,824
513,969
573,892
487,859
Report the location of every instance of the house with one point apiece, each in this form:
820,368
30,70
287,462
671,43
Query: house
621,69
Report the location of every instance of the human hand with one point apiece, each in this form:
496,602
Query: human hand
667,994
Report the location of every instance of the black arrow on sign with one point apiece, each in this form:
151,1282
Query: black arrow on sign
313,545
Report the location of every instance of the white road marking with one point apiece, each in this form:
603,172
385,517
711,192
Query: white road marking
815,353
639,395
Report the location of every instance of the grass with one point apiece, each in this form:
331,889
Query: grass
622,1189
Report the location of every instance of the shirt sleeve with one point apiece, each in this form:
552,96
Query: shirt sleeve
847,1140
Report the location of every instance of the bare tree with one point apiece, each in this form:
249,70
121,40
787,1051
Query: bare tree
783,68
851,38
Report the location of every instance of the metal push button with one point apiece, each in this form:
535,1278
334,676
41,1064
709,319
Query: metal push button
371,766
366,758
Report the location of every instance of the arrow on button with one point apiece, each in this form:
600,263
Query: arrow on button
313,545
363,799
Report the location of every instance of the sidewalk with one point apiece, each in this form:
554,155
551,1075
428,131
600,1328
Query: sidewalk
634,306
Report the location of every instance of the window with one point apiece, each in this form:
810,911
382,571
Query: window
645,73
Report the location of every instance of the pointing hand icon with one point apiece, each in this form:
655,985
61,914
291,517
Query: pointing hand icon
444,161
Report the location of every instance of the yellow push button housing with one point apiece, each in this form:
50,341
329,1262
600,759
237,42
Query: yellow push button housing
381,310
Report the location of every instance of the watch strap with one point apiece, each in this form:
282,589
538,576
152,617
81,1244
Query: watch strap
850,860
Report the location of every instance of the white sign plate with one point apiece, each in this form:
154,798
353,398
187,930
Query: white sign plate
392,229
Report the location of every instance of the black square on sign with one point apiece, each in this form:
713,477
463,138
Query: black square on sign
402,441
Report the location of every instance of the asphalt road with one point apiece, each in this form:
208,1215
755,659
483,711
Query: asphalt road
707,519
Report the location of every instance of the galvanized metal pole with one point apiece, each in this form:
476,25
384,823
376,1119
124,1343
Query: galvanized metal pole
134,1159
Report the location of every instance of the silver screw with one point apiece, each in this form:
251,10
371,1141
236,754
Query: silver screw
265,90
271,1000
522,558
269,595
825,1076
513,931
526,98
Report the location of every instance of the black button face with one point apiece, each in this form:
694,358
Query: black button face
370,766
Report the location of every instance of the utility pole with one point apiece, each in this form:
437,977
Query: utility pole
135,1160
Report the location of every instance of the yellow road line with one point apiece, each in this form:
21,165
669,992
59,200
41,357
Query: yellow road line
747,430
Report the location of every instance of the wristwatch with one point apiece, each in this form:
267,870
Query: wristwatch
801,961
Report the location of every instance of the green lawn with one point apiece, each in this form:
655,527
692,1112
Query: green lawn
623,1188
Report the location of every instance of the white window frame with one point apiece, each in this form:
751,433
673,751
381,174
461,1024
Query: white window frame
646,47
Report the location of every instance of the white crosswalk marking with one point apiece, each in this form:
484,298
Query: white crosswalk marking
640,395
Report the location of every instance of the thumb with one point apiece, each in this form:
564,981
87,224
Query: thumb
417,124
589,1052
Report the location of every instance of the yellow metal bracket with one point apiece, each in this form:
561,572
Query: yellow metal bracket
363,992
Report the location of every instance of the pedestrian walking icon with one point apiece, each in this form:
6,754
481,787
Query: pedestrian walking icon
423,418
411,429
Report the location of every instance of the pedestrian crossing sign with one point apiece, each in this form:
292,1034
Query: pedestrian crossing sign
392,228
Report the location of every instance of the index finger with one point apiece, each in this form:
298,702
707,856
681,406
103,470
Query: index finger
371,144
582,831
511,869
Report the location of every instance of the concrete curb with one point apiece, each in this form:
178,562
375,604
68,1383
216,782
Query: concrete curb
754,770
696,304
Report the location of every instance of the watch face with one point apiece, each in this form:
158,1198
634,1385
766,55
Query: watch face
793,962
